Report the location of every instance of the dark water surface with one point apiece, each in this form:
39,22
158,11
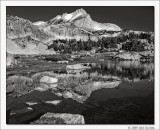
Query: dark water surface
132,102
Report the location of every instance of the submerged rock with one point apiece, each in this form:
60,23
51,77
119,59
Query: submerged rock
20,111
108,84
58,118
55,102
31,103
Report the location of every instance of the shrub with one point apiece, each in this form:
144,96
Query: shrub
85,89
68,83
21,85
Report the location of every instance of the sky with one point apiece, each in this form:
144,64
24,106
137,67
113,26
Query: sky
138,18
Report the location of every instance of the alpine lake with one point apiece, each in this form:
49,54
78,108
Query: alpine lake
129,99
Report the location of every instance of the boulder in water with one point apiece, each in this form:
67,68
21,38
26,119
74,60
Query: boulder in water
47,79
60,118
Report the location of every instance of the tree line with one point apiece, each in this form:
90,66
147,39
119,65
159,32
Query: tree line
129,42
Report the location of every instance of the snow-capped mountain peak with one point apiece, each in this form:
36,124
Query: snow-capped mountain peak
81,19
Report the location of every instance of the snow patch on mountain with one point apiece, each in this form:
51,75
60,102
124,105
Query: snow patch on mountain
67,17
58,17
79,14
97,28
38,23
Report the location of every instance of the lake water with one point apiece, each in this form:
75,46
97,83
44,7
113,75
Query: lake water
131,102
125,70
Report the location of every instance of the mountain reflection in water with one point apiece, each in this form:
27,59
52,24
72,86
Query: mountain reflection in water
131,102
124,70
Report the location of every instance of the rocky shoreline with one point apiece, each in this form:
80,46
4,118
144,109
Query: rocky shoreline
73,84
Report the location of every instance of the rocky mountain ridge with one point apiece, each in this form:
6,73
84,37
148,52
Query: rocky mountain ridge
28,37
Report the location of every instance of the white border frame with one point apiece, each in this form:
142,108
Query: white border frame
75,3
